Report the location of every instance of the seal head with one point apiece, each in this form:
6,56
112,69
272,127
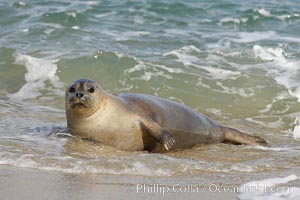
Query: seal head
83,97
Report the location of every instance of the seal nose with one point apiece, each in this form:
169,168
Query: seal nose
79,95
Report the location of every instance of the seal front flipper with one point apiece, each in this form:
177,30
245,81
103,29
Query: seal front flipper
161,135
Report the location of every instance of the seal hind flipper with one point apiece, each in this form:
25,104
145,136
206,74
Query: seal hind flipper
160,135
237,137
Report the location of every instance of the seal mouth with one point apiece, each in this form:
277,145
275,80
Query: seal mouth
78,105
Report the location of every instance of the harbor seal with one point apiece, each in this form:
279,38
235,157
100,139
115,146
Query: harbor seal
137,122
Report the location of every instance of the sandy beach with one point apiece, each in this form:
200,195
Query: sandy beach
23,183
235,61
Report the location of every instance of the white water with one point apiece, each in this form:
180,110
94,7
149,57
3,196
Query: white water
270,189
38,72
284,71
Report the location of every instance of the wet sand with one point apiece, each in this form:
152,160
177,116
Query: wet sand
23,183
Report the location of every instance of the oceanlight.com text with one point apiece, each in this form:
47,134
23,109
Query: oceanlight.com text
214,188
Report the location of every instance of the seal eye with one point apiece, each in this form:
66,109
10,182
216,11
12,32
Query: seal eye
72,90
91,90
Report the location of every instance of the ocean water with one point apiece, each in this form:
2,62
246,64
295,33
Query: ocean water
235,61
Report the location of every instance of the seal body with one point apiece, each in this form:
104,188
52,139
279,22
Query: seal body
187,127
135,122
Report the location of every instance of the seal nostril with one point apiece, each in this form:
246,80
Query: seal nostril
79,95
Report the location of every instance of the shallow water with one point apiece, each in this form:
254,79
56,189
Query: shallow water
237,62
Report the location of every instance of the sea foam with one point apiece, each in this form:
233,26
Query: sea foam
270,189
284,72
38,72
187,55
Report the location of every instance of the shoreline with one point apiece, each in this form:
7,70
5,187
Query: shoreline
24,183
